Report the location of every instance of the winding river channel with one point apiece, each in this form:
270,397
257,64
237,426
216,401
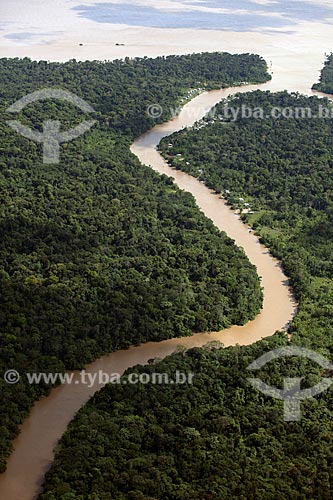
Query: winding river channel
49,418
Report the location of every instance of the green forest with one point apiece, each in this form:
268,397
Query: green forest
219,438
215,439
326,77
98,252
282,170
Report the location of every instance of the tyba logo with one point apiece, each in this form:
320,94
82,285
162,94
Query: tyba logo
51,137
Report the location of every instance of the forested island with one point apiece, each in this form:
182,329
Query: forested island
99,252
220,438
326,77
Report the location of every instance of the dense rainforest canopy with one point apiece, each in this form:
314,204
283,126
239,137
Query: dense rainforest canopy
220,438
215,439
99,252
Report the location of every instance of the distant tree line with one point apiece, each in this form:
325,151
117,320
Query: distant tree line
326,77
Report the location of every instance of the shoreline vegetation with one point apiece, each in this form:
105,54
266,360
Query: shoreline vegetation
326,77
250,178
220,438
99,252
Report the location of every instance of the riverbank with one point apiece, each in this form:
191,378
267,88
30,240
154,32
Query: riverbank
296,54
49,418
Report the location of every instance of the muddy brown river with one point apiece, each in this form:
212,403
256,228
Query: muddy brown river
49,418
